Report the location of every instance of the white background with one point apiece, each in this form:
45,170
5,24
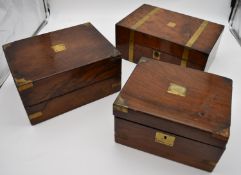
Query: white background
82,141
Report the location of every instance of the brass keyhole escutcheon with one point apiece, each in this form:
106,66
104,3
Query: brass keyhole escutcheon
164,139
156,55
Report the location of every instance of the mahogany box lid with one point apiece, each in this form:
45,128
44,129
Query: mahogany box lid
182,101
36,59
175,30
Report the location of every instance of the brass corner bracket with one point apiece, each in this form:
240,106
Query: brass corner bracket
120,105
23,84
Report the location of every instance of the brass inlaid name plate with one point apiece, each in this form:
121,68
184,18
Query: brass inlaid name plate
171,24
59,48
164,139
177,90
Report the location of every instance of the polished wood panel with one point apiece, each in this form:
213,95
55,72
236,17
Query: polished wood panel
34,58
53,107
185,151
65,82
167,32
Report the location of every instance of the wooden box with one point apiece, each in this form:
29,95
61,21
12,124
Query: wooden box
62,70
178,113
167,36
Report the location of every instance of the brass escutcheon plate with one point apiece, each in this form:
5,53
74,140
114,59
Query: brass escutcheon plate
164,139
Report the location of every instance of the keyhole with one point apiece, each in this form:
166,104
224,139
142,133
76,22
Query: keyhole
156,55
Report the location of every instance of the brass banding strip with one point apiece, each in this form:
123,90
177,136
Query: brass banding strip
196,35
191,41
185,57
134,27
131,46
145,18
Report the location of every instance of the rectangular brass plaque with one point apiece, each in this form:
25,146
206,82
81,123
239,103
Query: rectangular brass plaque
171,24
164,139
177,90
59,48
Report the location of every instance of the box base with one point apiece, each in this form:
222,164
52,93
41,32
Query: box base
183,150
59,105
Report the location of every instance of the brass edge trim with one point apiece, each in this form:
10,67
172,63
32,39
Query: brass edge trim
131,46
134,27
25,87
114,85
87,24
23,84
222,134
5,46
120,105
191,41
123,109
35,115
22,81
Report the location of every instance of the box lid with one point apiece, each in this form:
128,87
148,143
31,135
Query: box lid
43,56
182,101
176,30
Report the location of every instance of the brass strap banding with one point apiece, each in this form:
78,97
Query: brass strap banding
136,26
131,46
191,41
